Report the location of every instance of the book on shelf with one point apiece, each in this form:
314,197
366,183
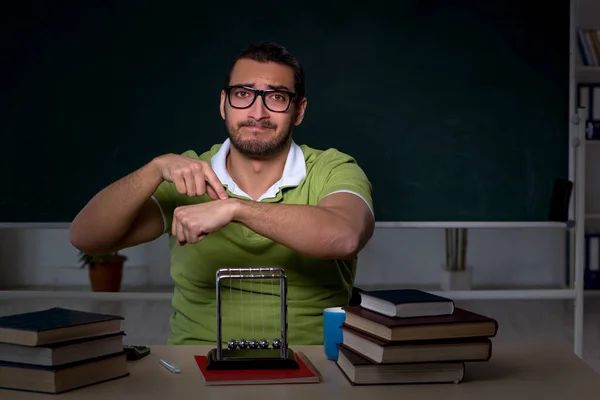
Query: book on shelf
591,271
588,97
588,45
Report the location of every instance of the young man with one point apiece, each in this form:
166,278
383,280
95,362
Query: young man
256,200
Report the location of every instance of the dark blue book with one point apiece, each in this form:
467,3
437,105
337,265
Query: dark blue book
406,303
56,325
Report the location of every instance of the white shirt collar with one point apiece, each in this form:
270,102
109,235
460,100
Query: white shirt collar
293,172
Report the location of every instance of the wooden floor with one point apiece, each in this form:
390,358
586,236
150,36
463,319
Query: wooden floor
147,321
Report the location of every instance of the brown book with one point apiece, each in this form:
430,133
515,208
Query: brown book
461,324
360,371
388,352
64,378
55,325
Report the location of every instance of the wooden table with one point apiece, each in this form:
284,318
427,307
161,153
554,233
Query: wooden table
514,372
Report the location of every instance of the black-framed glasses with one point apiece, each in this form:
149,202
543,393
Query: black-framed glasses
275,100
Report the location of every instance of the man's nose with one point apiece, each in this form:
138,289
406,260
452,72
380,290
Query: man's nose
258,110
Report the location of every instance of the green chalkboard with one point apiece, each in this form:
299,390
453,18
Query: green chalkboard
457,110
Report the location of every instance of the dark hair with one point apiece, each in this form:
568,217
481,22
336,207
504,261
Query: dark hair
266,51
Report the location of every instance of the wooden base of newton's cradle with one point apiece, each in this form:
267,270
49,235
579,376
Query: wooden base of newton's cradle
246,359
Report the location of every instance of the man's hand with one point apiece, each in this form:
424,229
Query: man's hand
191,177
192,223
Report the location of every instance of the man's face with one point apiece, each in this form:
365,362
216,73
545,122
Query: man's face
256,131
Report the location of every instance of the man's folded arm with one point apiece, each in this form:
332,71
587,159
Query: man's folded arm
339,226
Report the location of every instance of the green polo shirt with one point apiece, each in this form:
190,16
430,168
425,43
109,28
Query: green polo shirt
251,308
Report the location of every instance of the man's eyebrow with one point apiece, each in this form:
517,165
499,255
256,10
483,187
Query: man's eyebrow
273,87
279,87
243,84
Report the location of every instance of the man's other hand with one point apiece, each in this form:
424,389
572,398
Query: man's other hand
193,223
191,177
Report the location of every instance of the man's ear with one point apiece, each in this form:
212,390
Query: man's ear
222,104
300,111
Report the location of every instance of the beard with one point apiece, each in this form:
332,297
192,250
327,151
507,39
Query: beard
256,148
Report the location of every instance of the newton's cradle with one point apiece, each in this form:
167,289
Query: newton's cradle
253,354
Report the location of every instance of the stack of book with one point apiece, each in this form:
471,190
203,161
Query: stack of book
58,350
411,336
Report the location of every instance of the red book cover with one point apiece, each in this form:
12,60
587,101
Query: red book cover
307,373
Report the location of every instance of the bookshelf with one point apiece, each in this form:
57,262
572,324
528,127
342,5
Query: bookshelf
585,53
585,205
587,71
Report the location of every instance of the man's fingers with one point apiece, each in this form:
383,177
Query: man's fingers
196,179
213,181
189,235
199,183
179,183
176,228
180,233
190,183
211,192
174,224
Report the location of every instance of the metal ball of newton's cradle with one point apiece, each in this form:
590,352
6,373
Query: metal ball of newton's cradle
263,344
253,343
276,343
232,344
243,344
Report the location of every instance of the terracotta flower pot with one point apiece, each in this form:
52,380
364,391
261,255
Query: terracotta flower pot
107,276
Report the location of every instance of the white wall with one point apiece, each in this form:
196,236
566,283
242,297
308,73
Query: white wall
505,257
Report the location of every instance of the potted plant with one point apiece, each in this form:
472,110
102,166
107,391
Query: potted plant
456,273
106,270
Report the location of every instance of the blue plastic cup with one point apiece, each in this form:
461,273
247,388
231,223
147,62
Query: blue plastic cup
333,318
